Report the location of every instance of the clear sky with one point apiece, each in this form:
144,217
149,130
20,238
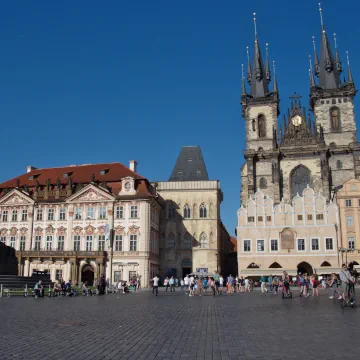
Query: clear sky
90,81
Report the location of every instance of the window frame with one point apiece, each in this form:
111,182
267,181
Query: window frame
39,214
22,242
62,214
203,211
4,216
78,213
348,203
24,215
352,220
257,246
47,242
60,241
37,241
102,241
353,241
119,240
187,239
102,212
12,242
187,212
134,212
277,242
77,241
89,240
120,212
332,243
311,243
243,245
50,214
133,239
14,215
297,244
90,213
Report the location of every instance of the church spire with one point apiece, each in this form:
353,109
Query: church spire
337,57
243,87
350,77
275,80
316,60
268,73
311,75
259,81
329,77
248,66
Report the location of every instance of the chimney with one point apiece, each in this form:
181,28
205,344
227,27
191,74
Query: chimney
132,165
30,168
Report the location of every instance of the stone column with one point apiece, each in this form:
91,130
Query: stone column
26,267
29,234
53,271
68,243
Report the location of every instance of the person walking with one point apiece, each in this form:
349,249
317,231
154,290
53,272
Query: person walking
247,285
186,283
172,284
270,281
347,281
155,287
315,284
275,283
229,283
182,284
221,284
242,284
166,283
333,286
263,284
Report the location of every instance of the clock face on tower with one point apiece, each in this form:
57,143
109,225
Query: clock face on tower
127,186
296,120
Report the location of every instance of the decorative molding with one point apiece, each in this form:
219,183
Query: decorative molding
61,230
133,229
119,230
101,230
50,230
23,231
77,230
13,231
90,229
38,231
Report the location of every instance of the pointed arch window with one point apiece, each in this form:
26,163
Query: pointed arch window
187,241
187,212
261,126
203,241
203,211
263,183
171,241
335,118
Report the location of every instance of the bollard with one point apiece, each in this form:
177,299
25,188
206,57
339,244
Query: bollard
1,287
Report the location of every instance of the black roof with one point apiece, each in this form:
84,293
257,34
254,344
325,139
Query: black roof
190,165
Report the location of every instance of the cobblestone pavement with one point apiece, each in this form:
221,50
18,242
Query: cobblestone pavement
174,326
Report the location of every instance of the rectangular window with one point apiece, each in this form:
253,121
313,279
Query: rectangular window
49,239
314,244
39,215
14,215
22,243
60,244
274,245
58,275
102,212
12,241
133,242
24,215
117,276
62,214
319,216
37,243
351,242
50,214
349,221
251,219
4,215
301,244
90,214
133,212
300,217
3,239
118,243
329,244
78,213
348,202
260,218
260,245
101,243
119,212
89,242
132,275
247,245
268,218
76,239
309,217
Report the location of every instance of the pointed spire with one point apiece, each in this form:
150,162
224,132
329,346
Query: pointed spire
248,66
259,82
275,80
268,73
243,87
329,74
350,77
337,56
311,75
316,60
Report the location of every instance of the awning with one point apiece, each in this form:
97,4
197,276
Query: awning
260,272
326,270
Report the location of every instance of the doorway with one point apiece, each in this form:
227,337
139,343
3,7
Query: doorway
305,268
186,271
87,274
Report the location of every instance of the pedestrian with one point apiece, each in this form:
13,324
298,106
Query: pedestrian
205,283
102,284
315,284
191,286
333,285
247,285
270,281
166,283
172,284
306,282
176,282
347,281
275,283
229,283
182,284
221,284
242,284
263,284
155,289
300,282
323,282
186,283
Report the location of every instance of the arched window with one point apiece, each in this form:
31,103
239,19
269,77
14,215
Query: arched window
171,212
263,183
203,241
325,263
187,212
187,241
171,241
300,178
203,211
253,266
275,265
335,118
261,126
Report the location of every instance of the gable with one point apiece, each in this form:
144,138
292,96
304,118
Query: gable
15,197
90,193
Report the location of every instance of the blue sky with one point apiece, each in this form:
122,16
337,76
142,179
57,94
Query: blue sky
89,81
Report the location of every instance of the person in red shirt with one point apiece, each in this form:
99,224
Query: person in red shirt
315,284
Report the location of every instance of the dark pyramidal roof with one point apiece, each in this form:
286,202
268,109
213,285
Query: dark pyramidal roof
190,165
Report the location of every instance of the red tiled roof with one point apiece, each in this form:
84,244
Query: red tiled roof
78,173
234,242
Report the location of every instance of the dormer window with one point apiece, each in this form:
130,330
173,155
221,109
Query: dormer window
189,159
180,172
104,171
65,176
33,177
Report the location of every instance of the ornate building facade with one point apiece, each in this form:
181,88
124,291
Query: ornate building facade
318,150
192,237
79,222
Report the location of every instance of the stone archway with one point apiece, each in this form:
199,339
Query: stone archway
87,274
305,268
